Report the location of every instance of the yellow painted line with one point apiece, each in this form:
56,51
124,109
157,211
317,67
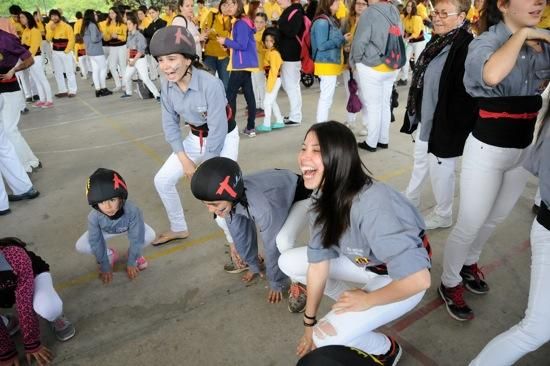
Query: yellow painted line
124,132
392,174
171,249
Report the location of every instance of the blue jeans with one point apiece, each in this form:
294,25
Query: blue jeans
220,66
238,79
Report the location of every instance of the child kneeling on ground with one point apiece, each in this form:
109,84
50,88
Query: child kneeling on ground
25,282
112,216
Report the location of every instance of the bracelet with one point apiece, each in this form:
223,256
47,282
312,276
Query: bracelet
310,324
309,317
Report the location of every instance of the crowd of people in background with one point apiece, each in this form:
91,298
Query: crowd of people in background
476,76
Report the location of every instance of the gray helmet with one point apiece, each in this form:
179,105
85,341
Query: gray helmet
173,39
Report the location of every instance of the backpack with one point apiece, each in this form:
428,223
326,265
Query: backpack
394,54
305,43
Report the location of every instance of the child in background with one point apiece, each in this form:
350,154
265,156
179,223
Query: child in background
26,282
112,216
258,77
272,66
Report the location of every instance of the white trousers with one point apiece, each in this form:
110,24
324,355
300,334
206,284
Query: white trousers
39,76
11,112
117,62
85,67
11,169
295,223
353,329
491,181
534,329
46,302
328,86
258,85
83,243
141,67
63,63
24,78
270,104
442,176
376,88
415,48
290,78
47,56
99,71
172,171
153,66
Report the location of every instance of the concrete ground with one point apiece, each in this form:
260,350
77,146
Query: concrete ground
184,309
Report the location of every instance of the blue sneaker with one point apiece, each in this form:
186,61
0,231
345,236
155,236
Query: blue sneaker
125,95
277,125
262,128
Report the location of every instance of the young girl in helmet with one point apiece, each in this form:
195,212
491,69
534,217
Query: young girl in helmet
112,216
263,199
25,282
195,96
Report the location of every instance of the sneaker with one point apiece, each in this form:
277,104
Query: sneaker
454,302
28,100
472,279
124,95
382,146
11,323
289,123
297,296
7,211
113,257
61,95
391,357
38,104
47,105
363,145
231,267
157,99
71,95
103,92
63,329
142,263
434,221
263,128
277,125
29,195
249,133
402,82
362,132
35,98
25,110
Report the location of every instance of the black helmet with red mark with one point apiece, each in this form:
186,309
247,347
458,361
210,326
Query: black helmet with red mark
218,179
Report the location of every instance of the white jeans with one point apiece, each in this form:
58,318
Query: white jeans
328,86
117,58
11,169
270,104
153,66
38,75
171,172
46,302
258,85
99,71
85,67
141,67
64,63
11,112
25,82
442,175
491,181
83,243
290,78
534,329
354,329
376,88
415,48
295,223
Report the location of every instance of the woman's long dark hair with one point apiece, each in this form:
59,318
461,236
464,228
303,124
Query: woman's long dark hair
273,32
490,14
118,18
413,10
31,22
12,241
89,17
344,177
323,8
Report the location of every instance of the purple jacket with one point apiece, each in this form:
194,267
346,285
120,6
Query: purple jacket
243,45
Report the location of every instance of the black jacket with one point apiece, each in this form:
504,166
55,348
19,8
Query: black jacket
456,111
152,28
290,31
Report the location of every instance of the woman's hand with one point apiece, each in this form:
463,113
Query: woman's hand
188,166
43,356
8,75
306,344
132,272
221,40
114,36
352,300
537,34
347,37
106,277
274,297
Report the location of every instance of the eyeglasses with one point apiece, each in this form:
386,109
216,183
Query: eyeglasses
442,14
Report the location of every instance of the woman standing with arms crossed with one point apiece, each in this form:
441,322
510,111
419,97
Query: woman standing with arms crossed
197,97
506,71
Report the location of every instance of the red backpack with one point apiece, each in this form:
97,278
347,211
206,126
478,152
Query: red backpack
305,43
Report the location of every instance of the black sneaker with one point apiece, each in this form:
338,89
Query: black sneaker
104,92
391,357
28,100
29,195
382,146
5,212
402,82
35,98
290,123
472,277
363,145
454,302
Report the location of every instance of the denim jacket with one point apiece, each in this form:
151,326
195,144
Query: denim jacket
326,41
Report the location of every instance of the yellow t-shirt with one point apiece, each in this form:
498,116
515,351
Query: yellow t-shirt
342,11
274,61
260,48
32,39
422,11
121,30
545,19
201,16
18,27
221,27
144,23
62,31
168,18
413,25
272,10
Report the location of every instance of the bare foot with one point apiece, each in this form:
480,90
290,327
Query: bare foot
249,276
169,236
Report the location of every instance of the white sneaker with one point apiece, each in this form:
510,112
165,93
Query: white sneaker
362,132
434,221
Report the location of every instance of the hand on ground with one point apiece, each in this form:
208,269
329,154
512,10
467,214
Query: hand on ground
106,277
132,272
43,356
274,297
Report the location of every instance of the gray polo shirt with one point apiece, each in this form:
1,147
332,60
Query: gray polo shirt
384,229
136,41
203,102
430,93
93,40
528,77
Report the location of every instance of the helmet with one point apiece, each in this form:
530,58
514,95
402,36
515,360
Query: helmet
173,39
105,184
218,179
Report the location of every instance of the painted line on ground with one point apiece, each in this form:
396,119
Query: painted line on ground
417,354
97,147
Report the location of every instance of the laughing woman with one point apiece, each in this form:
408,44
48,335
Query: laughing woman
362,232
